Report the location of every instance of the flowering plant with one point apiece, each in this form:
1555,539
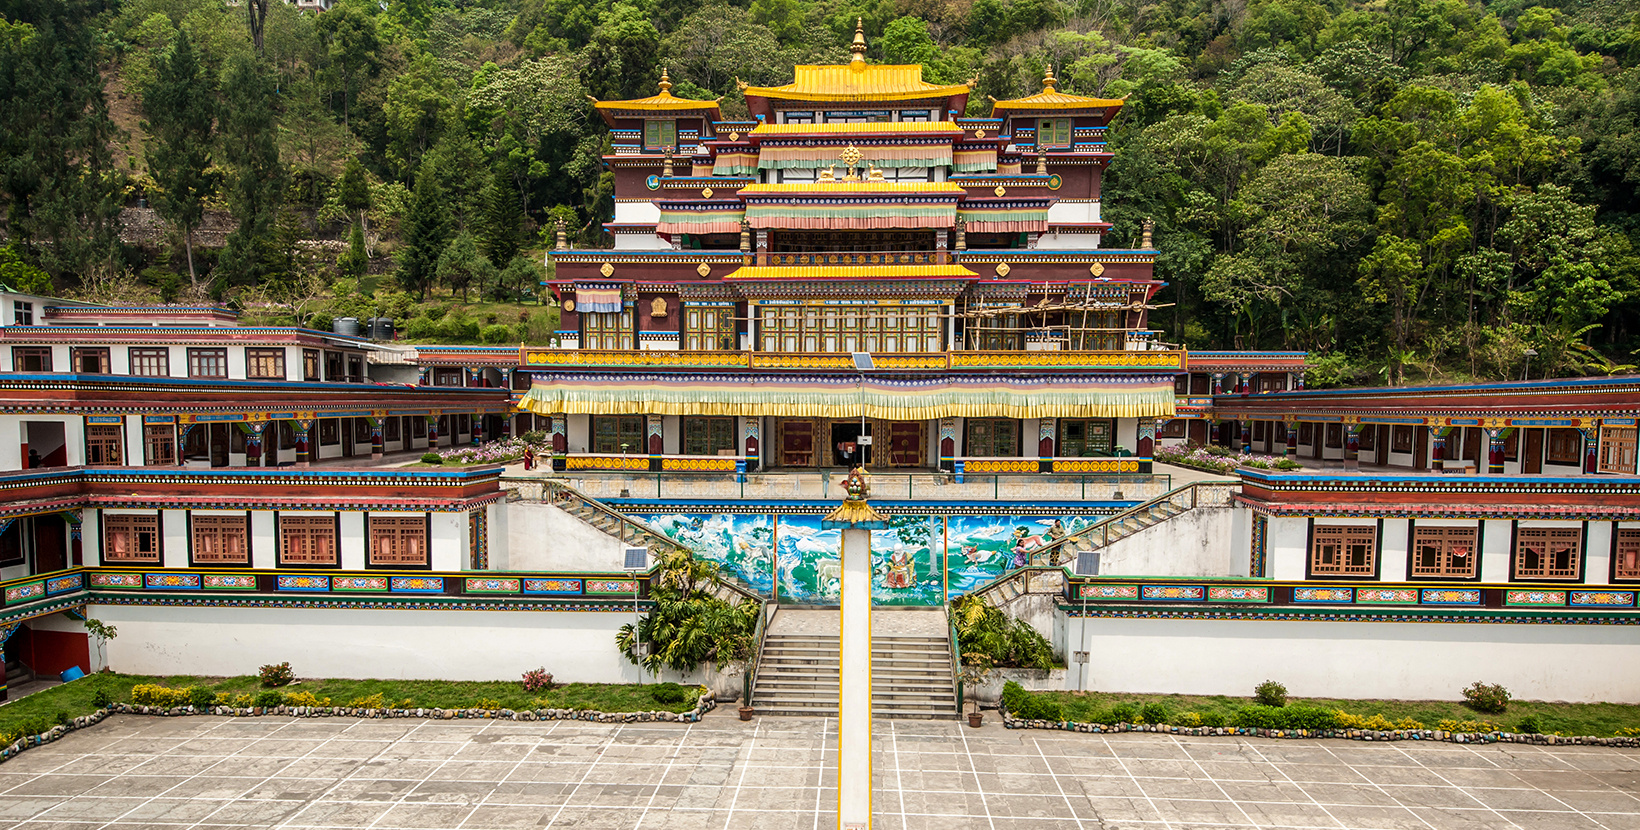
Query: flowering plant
493,452
536,680
1201,459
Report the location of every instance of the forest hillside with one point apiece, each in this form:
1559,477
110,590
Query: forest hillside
1413,190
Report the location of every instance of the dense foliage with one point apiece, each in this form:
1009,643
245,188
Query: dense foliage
689,626
1413,189
989,639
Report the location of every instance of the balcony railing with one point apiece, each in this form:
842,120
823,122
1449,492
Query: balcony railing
1152,361
861,258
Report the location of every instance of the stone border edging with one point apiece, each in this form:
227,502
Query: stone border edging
1011,722
704,704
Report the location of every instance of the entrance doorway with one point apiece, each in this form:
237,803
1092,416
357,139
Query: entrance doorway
846,449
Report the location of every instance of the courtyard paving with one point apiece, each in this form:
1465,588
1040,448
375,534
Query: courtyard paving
205,772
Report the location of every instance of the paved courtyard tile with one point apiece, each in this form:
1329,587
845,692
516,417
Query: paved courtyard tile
204,773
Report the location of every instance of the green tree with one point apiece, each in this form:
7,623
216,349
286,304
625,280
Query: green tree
417,104
501,219
352,44
619,62
426,231
16,274
180,104
461,266
248,129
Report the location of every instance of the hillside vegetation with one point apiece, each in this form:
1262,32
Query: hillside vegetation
1412,189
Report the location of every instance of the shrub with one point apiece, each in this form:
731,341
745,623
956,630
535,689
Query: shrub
1023,704
537,680
305,699
1450,725
375,701
149,694
1124,713
1530,725
432,458
239,701
275,675
200,697
667,693
1154,712
1286,717
1188,719
496,333
268,698
1009,643
487,703
1490,698
1270,693
1213,719
100,697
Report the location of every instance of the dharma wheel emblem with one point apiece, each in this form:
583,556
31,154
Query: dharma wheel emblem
1003,269
703,269
1097,268
606,269
851,155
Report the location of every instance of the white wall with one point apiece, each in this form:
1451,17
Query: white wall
367,643
579,432
1194,543
542,537
1398,661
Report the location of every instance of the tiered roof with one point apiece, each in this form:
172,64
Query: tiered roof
1050,99
663,101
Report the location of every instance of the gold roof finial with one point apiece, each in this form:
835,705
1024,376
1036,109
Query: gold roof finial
858,47
1049,80
666,82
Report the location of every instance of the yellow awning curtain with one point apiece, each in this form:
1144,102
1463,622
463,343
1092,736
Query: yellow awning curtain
845,397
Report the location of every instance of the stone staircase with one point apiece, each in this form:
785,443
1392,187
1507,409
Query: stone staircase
910,665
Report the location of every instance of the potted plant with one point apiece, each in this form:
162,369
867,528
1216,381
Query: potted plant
746,712
976,667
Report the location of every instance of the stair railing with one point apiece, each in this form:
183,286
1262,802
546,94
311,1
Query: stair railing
956,662
765,619
1188,496
557,492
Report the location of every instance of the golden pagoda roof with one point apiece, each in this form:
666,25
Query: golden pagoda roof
950,271
856,81
843,188
868,128
661,101
1051,98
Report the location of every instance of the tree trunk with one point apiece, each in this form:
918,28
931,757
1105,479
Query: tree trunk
188,245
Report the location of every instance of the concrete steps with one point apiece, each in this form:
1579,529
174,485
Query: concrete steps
910,676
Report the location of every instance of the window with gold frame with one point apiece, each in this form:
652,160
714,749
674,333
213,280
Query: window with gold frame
607,329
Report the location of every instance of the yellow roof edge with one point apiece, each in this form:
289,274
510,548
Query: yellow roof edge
854,187
942,271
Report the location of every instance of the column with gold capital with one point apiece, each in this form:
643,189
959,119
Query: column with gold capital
856,519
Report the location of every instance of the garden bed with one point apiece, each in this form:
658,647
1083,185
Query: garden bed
1525,721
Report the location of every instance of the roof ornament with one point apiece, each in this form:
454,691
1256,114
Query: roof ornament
874,173
1048,80
858,47
851,156
666,82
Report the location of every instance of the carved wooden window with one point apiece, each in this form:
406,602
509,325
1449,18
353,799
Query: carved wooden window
90,361
1547,552
307,540
265,363
390,429
1401,439
310,365
1617,445
659,135
159,440
1565,447
330,432
708,328
709,436
1626,555
398,540
104,446
991,438
616,434
1306,433
1053,132
207,363
1175,428
30,359
1444,551
1345,550
1335,435
607,330
151,363
220,540
130,538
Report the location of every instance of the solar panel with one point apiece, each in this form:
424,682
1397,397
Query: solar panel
863,361
637,559
1087,563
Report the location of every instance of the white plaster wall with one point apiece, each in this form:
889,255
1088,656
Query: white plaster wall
672,434
1194,543
1597,554
91,537
11,443
542,537
264,540
1393,545
578,432
636,213
352,542
1496,551
1127,434
448,545
173,531
236,363
1073,213
1288,538
1398,661
367,643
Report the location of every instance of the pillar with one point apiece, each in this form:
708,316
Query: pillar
1494,451
1246,435
1437,453
253,443
560,440
1213,428
1045,435
1291,450
432,432
477,422
377,446
751,435
948,442
475,377
1246,384
653,441
304,452
182,443
1352,446
423,374
1146,443
1298,381
1218,383
8,630
1591,449
854,678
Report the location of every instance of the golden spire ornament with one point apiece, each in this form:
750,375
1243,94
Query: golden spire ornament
858,47
666,82
1048,80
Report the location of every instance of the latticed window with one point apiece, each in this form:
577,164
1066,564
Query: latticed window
130,538
103,445
398,540
660,134
151,363
1617,446
1053,132
310,364
611,432
307,540
220,540
708,328
708,436
159,440
1565,446
90,361
265,363
991,438
30,359
1626,556
1348,550
1444,551
1547,552
207,363
607,329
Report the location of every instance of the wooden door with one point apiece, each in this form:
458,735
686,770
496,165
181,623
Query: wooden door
50,550
796,443
1420,448
1382,446
219,444
1472,447
1532,461
905,444
347,438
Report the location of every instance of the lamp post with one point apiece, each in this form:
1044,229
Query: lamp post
1530,353
637,561
862,364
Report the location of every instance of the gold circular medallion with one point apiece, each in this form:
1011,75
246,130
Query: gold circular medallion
606,269
706,193
1003,269
734,136
1097,268
1000,191
703,269
569,305
979,133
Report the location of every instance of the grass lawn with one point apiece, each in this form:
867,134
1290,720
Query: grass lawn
1599,719
74,699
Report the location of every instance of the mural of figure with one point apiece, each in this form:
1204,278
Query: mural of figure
902,570
1024,543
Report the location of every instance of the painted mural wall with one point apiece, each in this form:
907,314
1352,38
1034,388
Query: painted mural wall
920,559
